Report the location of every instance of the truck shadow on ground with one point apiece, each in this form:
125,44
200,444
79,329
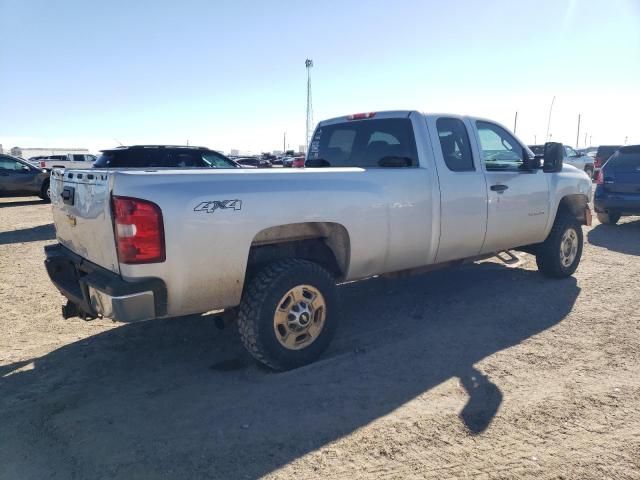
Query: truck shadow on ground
149,400
622,238
31,234
20,203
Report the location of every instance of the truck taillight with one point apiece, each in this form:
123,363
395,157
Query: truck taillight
597,163
139,230
42,164
600,177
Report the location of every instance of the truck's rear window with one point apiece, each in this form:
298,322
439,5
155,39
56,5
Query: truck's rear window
364,143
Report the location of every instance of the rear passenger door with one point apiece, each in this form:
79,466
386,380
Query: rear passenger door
463,190
518,206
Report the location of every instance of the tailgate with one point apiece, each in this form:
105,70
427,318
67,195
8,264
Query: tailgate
622,172
622,180
82,215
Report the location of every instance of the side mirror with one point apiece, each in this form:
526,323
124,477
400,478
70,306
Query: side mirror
553,154
25,168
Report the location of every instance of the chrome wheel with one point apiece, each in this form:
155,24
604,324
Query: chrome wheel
568,247
299,317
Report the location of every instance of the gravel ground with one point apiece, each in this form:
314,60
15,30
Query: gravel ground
485,371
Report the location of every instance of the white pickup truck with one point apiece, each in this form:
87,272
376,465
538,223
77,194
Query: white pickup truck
67,160
383,193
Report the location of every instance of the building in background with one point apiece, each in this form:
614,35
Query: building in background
302,149
28,153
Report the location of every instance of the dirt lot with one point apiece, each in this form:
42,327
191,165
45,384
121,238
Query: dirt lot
485,371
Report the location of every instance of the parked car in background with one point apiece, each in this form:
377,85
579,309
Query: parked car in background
163,156
19,177
254,162
571,157
401,192
287,161
298,162
69,160
603,154
618,186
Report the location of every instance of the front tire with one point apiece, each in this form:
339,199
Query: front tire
559,255
608,218
45,192
288,313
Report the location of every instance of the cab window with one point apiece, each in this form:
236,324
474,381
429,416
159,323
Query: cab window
374,143
454,142
500,150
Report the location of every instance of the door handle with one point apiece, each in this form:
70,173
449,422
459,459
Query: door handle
499,188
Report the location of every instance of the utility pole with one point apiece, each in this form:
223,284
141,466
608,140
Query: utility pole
549,121
578,134
284,143
585,139
625,140
535,139
590,140
309,64
515,123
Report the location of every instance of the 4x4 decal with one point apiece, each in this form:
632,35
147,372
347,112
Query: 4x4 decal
214,205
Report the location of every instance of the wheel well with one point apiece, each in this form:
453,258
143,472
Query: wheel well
573,205
325,243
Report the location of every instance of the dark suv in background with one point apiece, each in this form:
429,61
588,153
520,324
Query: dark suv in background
618,186
602,155
162,156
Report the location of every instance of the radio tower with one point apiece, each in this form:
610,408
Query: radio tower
309,63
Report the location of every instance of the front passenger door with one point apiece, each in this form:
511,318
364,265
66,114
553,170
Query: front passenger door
16,177
518,206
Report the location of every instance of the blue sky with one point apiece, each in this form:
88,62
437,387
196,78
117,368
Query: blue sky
230,74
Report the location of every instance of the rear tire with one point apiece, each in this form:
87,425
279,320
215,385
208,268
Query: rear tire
559,255
288,313
609,218
45,192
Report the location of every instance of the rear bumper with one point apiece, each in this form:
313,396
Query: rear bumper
625,204
99,292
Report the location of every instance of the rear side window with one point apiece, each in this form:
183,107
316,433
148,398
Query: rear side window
162,158
605,151
454,142
364,143
625,159
133,158
79,158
